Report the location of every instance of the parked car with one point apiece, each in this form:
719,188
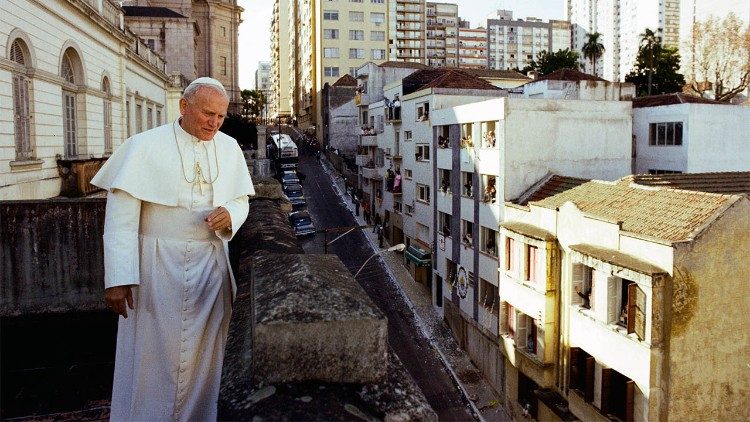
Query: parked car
301,223
295,195
289,178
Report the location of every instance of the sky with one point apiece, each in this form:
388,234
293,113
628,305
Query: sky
255,36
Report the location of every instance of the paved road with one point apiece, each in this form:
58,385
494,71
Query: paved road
412,348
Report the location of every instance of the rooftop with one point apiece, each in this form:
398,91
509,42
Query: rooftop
443,78
151,12
496,74
732,182
669,99
407,65
346,80
668,214
569,75
550,185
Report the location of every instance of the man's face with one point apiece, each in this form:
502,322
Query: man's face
203,115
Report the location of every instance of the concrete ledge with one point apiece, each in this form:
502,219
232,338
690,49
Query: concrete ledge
312,321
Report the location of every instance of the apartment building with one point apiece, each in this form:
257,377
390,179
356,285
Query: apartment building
472,50
442,34
677,133
620,23
495,151
71,101
514,44
605,304
407,40
279,102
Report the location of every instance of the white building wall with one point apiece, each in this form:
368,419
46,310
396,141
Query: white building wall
714,138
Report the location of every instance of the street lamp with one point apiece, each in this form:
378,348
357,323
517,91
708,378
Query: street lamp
400,248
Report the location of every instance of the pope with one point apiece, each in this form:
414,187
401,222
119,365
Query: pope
176,195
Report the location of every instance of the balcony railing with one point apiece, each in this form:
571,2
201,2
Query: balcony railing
371,173
76,175
370,140
392,114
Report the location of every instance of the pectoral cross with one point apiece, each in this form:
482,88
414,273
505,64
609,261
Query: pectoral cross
199,179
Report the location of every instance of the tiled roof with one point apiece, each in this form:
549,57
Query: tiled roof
733,182
553,185
667,214
569,75
407,65
346,80
668,99
528,230
151,12
618,258
443,78
496,74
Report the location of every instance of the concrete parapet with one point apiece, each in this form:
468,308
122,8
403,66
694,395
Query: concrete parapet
312,321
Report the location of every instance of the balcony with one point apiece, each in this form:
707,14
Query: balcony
76,175
393,114
362,160
370,140
371,173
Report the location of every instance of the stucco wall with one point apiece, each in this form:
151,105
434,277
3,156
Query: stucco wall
708,373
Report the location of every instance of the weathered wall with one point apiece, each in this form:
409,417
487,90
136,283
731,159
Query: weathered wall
709,336
51,254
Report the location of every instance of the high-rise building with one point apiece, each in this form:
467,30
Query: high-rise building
326,39
472,46
621,23
514,44
442,34
278,100
213,46
263,76
406,30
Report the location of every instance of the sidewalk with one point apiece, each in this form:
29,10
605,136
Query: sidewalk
485,403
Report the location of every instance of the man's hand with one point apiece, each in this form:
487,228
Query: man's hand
219,219
116,297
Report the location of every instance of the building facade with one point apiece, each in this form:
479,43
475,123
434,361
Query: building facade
620,23
472,50
442,34
515,44
407,31
212,26
279,101
67,103
677,133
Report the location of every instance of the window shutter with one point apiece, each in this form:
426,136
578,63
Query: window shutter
612,303
589,384
575,369
629,400
607,393
576,299
540,343
511,321
638,315
522,331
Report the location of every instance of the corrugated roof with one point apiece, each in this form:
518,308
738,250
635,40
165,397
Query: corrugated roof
151,12
668,214
669,99
346,80
566,74
407,65
443,78
552,186
496,74
731,182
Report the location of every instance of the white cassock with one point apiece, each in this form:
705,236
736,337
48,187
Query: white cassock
170,349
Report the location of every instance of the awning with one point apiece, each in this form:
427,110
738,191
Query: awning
418,256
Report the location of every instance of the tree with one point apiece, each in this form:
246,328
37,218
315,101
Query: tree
650,48
656,74
547,63
719,57
593,49
253,102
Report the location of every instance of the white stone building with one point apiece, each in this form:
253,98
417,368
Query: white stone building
605,304
677,133
70,98
570,84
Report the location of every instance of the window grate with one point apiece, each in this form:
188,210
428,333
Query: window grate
16,53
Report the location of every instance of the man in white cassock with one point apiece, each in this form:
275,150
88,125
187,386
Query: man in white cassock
176,195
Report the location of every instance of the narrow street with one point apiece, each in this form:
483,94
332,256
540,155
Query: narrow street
412,348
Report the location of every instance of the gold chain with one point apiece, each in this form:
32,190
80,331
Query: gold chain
198,172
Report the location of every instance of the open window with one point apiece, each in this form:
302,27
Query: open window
445,180
444,223
423,111
488,241
583,286
489,137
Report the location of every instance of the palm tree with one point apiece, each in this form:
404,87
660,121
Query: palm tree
593,49
650,47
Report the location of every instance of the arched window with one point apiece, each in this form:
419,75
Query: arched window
21,88
107,118
70,102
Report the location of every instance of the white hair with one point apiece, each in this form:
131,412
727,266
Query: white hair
199,83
